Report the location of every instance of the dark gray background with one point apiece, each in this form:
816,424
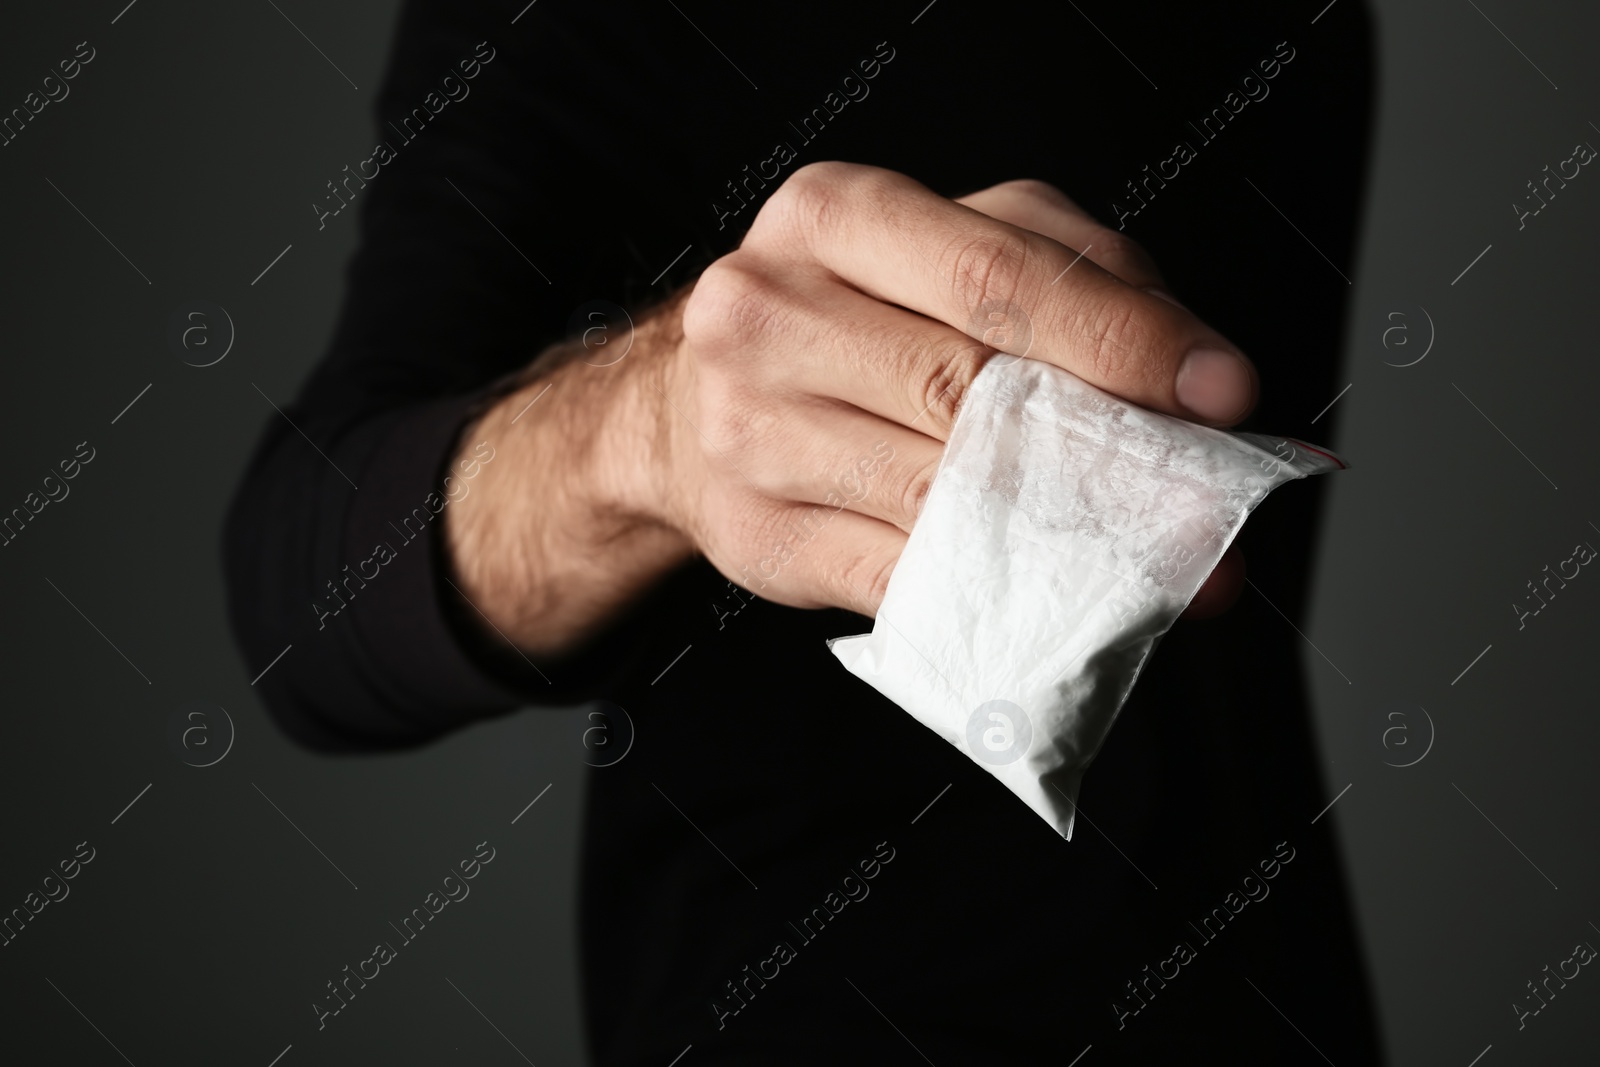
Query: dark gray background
196,141
1434,532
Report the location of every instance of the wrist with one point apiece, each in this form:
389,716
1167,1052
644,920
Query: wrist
642,444
573,525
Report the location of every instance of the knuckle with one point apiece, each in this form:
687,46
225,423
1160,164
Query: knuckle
735,425
730,302
762,535
1036,189
875,572
1113,243
1111,335
988,269
752,527
826,174
948,380
914,493
809,201
863,577
1118,247
743,539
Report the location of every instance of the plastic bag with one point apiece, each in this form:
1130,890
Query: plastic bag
1065,531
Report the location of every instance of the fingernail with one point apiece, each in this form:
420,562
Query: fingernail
1215,385
1163,294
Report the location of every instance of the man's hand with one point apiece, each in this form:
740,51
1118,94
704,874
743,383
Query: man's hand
785,418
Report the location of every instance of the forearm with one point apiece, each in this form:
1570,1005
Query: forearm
565,530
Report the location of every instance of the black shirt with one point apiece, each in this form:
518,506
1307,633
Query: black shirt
610,152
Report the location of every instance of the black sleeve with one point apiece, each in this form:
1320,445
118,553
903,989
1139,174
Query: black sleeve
470,262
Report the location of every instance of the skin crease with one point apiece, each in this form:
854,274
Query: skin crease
852,313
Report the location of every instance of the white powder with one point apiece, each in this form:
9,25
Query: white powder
1064,533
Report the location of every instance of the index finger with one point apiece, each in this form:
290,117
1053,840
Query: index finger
898,241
